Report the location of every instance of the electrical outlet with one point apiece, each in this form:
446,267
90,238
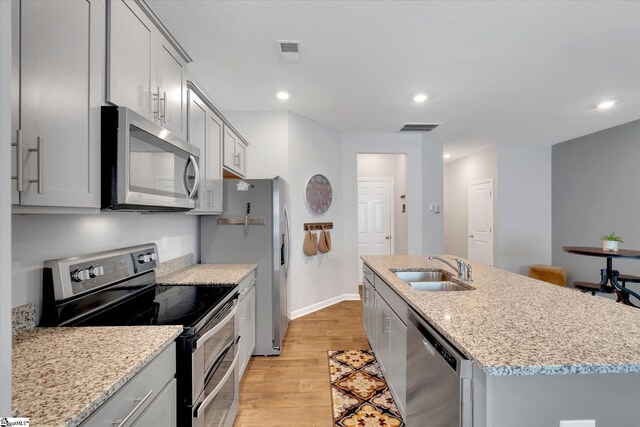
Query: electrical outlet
578,423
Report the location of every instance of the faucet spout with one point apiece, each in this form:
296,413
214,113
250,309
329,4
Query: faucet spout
460,269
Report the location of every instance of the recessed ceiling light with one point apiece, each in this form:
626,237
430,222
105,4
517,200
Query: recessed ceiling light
446,156
421,97
606,104
282,95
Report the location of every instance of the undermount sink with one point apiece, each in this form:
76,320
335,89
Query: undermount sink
432,281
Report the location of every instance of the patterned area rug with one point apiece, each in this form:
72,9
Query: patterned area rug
359,392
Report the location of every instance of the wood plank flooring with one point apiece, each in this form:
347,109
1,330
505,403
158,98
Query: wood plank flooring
293,389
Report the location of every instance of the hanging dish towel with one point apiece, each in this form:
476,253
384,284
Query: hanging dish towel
324,245
310,246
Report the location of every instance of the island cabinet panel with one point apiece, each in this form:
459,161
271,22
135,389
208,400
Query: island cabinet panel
516,400
149,395
59,50
384,318
368,311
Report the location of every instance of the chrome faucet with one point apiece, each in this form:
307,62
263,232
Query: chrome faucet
463,270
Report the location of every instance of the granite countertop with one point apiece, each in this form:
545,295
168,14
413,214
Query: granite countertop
208,274
514,325
62,375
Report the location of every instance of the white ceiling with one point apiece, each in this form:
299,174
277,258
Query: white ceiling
495,72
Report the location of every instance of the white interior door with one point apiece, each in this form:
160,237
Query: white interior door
481,222
375,218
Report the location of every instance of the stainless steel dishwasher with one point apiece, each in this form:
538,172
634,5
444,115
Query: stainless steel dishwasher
439,379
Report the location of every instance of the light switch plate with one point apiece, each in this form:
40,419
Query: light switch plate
578,423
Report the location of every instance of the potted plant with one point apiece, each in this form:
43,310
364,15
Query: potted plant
611,242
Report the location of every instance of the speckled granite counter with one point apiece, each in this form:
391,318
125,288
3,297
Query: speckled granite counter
62,375
514,325
208,274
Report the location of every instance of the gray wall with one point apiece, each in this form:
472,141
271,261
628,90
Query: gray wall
457,177
521,204
523,226
596,191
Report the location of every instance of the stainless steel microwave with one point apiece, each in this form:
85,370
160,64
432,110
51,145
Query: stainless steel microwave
145,167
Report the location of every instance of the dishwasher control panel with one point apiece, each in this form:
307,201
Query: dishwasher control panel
446,355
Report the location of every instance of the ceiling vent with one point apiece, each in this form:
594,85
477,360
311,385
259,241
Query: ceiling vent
289,50
419,127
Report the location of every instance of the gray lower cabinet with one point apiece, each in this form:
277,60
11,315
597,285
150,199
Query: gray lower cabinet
368,310
58,88
205,132
247,328
384,318
148,399
246,320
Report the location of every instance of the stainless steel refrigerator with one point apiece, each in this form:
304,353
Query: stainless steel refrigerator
254,228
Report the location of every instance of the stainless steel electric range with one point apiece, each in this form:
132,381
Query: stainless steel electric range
117,288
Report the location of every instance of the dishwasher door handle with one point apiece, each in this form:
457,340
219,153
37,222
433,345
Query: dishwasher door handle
430,348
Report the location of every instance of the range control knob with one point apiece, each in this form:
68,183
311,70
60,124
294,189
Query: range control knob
96,271
80,274
153,256
144,258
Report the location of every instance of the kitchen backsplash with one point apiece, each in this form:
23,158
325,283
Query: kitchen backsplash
175,264
23,318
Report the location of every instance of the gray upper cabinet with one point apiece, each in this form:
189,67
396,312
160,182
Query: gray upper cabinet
146,72
131,78
235,153
58,73
205,132
172,88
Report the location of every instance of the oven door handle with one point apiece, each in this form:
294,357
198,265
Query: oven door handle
216,390
220,325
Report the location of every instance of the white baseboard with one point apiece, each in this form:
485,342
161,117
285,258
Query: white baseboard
323,304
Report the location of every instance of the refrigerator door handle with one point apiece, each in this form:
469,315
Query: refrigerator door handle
286,242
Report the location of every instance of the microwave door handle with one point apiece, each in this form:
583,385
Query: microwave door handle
196,184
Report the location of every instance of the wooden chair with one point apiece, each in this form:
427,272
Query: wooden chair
549,273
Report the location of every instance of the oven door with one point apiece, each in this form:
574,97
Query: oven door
217,405
215,338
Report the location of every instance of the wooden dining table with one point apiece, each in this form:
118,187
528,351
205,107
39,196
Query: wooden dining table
609,282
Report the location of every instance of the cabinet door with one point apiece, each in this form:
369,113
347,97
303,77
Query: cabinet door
247,328
162,411
15,100
241,157
382,333
61,89
197,135
229,149
132,41
171,81
397,366
213,161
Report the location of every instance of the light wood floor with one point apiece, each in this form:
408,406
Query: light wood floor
293,389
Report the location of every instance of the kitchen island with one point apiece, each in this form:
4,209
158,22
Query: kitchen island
541,353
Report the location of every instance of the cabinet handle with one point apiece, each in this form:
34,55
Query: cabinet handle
156,97
140,401
164,107
18,175
40,159
385,323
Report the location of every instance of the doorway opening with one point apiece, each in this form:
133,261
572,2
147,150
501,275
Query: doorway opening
382,206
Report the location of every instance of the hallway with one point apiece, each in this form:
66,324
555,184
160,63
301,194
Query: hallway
293,389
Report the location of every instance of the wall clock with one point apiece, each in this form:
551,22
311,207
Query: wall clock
319,194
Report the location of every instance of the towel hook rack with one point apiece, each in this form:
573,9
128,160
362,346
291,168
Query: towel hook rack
312,226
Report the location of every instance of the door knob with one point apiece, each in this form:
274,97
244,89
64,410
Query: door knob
387,237
471,235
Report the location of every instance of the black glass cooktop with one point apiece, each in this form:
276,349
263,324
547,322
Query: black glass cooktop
141,302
